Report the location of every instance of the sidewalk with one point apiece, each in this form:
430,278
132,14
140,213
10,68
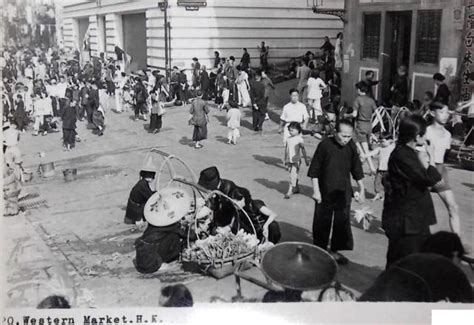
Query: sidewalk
33,271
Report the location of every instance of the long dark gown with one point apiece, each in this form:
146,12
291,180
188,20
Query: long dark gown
139,194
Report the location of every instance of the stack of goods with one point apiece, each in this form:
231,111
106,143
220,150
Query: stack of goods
219,254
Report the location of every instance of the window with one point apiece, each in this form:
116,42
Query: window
428,36
371,36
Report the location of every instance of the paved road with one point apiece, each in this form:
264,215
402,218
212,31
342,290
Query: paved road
78,245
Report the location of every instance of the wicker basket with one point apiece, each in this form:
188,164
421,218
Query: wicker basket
220,268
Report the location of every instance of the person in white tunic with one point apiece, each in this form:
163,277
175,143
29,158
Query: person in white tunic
338,49
315,92
243,88
294,111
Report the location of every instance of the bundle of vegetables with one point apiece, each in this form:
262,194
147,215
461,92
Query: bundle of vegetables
223,246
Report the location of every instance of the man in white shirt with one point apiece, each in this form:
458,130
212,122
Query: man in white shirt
41,70
294,111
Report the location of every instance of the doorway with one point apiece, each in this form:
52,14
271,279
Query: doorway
134,40
397,45
83,24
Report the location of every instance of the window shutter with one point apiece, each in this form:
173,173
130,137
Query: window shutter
371,43
428,36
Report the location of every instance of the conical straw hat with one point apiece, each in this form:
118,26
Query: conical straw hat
167,206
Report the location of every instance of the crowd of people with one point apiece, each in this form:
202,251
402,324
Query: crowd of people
40,87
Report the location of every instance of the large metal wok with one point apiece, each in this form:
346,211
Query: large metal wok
294,266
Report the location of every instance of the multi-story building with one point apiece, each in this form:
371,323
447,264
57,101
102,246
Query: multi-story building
425,35
289,28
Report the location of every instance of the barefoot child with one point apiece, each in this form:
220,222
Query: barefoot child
383,153
294,144
233,123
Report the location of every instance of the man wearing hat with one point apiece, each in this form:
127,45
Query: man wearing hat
164,237
140,193
224,210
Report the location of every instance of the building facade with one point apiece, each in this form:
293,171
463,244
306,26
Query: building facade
289,28
424,35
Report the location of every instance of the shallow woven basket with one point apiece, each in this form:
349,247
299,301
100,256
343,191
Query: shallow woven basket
221,268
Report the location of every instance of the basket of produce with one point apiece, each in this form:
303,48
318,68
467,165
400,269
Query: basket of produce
220,254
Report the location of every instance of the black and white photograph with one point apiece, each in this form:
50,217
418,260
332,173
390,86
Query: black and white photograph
287,161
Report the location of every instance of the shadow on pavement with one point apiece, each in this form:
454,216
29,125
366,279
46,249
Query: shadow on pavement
353,275
291,232
274,116
282,186
469,185
272,161
222,119
221,139
185,141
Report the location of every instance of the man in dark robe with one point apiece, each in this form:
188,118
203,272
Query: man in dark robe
259,102
204,83
224,210
334,161
183,87
92,103
245,61
140,194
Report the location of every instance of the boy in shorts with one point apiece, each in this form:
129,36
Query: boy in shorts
363,109
440,138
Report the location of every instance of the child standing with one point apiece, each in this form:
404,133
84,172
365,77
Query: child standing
440,139
363,109
294,147
315,88
157,111
233,123
225,92
383,153
69,118
126,99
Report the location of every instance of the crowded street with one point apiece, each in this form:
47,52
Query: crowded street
77,241
253,168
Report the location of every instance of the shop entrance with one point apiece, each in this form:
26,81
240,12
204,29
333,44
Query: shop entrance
134,39
397,46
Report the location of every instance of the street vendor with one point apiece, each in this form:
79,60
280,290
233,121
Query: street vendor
224,210
140,193
164,237
262,218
